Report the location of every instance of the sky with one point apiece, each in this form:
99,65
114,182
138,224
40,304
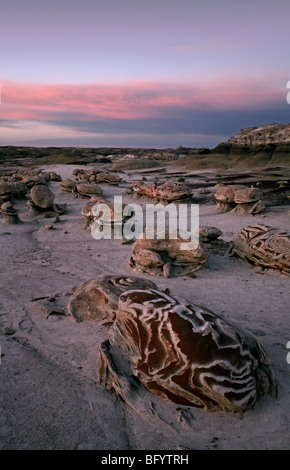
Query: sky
131,73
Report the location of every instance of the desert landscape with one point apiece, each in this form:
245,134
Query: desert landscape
117,344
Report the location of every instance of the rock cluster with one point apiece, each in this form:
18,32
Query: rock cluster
240,199
167,192
264,246
166,256
96,175
81,189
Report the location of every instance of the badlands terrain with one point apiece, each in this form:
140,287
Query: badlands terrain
65,383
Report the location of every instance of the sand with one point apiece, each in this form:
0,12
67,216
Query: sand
50,396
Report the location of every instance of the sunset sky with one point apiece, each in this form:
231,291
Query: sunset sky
130,73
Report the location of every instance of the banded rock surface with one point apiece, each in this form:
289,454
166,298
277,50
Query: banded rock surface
167,192
182,353
166,256
264,246
97,299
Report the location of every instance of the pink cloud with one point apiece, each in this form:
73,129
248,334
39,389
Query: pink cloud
131,101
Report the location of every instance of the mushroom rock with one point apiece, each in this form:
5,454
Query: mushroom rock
96,175
171,192
240,199
87,190
183,353
42,196
97,299
67,185
225,196
9,213
42,202
249,201
264,246
208,233
166,256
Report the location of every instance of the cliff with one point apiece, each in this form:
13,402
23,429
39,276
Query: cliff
263,135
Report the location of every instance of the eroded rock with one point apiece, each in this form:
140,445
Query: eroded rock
166,256
183,353
265,246
240,199
167,192
97,299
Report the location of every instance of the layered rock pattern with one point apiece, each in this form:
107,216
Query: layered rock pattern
96,175
183,353
265,246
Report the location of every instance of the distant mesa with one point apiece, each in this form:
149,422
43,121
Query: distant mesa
272,133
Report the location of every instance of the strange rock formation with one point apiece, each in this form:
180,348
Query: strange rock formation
262,135
166,256
42,201
81,189
240,199
208,233
42,196
167,192
182,353
9,213
96,175
97,299
263,246
98,216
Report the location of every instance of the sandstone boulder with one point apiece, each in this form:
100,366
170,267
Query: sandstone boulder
265,246
97,299
182,353
42,196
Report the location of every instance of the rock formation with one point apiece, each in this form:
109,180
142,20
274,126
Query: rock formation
97,299
262,135
167,192
208,233
96,175
9,213
264,246
166,256
81,189
42,201
240,199
95,216
183,353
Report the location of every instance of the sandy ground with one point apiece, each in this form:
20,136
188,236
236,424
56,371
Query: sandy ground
50,397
